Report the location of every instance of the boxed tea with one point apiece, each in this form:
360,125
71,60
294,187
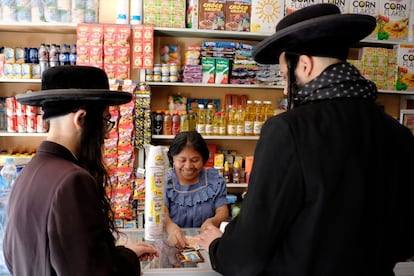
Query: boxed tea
266,14
238,14
212,14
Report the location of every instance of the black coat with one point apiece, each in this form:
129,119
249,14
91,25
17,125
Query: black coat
331,194
55,224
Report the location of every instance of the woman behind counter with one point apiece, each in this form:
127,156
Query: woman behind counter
194,196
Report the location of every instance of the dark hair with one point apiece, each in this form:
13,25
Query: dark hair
291,62
191,139
90,157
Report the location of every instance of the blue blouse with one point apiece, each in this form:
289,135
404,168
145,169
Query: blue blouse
191,205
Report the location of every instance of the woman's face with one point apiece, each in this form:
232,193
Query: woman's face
188,165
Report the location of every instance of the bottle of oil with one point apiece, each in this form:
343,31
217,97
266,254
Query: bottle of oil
259,117
175,123
167,123
192,119
240,114
209,115
184,122
201,120
249,118
268,110
231,121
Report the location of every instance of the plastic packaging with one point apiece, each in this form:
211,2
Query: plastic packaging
136,12
122,12
8,173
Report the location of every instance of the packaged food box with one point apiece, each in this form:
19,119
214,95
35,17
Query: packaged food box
393,19
212,14
238,14
266,14
222,71
294,5
192,14
369,7
208,69
405,65
343,5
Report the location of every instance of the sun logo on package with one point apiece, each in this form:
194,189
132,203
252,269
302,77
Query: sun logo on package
268,10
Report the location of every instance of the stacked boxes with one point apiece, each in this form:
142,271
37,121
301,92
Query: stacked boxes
212,14
238,15
393,20
165,13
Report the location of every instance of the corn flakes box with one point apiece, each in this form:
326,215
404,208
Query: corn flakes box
405,68
266,14
369,7
393,20
294,5
343,5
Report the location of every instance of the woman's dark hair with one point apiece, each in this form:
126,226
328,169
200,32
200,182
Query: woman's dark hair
191,139
90,157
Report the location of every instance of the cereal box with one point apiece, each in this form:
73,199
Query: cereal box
343,5
294,5
238,14
369,7
211,14
405,65
393,20
266,14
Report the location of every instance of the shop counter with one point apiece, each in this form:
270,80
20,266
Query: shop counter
168,263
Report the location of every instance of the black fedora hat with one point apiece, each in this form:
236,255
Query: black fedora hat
83,84
319,30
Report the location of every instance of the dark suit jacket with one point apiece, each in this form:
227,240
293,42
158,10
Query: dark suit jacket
55,222
331,194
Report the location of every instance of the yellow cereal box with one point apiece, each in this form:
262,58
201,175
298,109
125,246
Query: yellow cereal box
405,65
266,14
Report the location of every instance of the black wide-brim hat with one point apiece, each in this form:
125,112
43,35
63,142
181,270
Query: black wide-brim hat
315,30
65,88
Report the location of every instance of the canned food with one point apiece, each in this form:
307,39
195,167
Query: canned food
149,77
41,125
11,123
21,123
20,109
173,78
173,68
165,69
31,124
157,68
11,106
165,78
31,110
157,77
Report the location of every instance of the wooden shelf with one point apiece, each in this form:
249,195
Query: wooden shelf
41,27
208,137
236,185
21,134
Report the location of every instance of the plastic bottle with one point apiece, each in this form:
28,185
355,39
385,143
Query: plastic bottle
175,123
136,12
72,54
167,123
209,119
240,114
184,122
53,56
192,119
43,57
231,121
122,12
259,117
222,124
201,120
226,172
236,172
249,118
158,122
64,54
268,110
8,173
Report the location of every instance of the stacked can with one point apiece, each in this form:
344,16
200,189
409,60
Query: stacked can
166,72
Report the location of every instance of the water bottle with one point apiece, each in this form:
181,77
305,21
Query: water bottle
8,173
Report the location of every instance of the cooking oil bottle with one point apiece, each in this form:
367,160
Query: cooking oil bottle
231,121
249,118
268,110
259,117
209,115
201,120
184,122
240,114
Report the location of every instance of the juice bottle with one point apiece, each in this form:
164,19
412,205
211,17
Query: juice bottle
259,117
175,123
167,123
240,114
231,121
249,118
184,122
209,115
201,120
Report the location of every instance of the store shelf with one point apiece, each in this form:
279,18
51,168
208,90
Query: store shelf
41,27
20,80
236,185
212,137
21,134
253,86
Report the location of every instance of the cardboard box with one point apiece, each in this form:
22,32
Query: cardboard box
208,70
238,14
294,5
393,20
266,14
222,71
370,7
343,5
405,65
212,14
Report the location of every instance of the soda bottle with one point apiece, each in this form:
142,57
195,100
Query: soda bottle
209,119
201,120
240,114
72,54
268,110
167,123
54,56
158,122
175,123
43,55
184,122
231,121
249,118
259,116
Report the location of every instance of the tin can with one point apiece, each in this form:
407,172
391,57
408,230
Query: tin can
165,78
173,78
11,106
11,123
21,123
31,124
165,69
41,125
157,77
31,110
149,77
20,109
173,68
157,68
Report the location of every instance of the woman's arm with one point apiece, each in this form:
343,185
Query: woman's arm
222,214
176,236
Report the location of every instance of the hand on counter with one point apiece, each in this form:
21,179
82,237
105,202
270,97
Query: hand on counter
176,236
209,234
144,251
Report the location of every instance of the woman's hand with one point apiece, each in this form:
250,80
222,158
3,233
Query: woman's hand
176,236
210,233
207,222
144,251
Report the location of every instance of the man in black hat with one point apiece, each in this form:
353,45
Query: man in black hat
331,186
59,218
